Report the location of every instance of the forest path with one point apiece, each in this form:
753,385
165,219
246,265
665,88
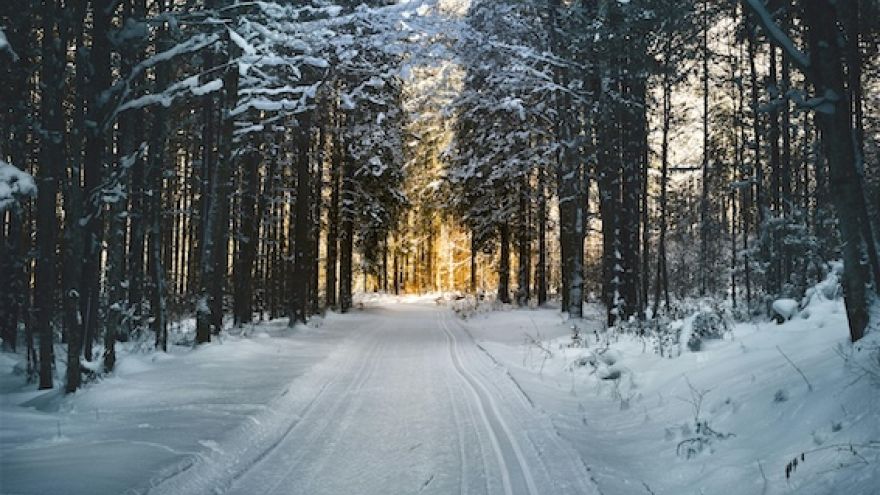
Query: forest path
408,404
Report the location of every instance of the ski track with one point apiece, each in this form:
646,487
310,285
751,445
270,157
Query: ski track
498,430
409,404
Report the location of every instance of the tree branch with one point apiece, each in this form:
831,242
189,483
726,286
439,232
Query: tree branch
777,35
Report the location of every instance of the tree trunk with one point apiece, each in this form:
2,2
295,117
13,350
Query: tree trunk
662,283
704,195
346,240
301,224
152,201
243,291
541,271
473,278
504,264
835,123
317,184
524,241
51,162
333,218
220,208
210,212
73,196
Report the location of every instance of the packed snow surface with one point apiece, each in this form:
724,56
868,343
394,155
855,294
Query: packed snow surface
403,396
402,401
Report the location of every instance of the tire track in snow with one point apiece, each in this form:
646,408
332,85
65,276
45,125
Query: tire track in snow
498,430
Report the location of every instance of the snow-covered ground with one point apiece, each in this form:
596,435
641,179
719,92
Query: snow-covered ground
393,398
403,396
156,414
407,405
634,431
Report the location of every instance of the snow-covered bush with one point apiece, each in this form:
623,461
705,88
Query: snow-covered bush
468,306
662,333
605,364
784,309
709,323
685,323
828,289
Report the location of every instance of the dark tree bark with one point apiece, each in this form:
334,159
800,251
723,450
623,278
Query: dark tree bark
317,184
73,196
541,269
248,242
333,216
827,75
773,255
346,237
301,224
96,155
51,164
473,260
210,212
504,264
220,207
569,190
152,202
524,245
704,195
662,279
786,200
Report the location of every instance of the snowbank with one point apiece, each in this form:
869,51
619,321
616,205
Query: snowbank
789,408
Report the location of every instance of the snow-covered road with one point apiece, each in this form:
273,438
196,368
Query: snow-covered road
408,404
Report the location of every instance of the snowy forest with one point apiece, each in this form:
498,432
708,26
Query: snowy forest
604,192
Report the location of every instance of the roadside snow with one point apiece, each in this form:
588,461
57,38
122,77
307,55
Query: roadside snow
155,415
631,414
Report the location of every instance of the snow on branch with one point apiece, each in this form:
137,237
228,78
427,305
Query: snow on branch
193,44
6,47
777,35
14,184
189,85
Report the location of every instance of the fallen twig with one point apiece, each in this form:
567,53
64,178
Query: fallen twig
809,385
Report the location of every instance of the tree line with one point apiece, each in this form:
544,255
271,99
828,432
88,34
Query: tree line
232,161
188,158
775,178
